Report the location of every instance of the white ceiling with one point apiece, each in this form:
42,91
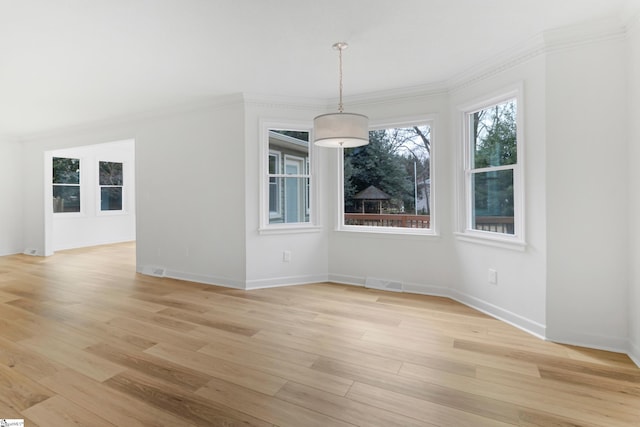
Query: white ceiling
70,62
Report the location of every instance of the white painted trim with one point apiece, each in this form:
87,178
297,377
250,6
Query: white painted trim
634,353
344,279
196,278
430,290
463,187
264,226
599,342
284,281
136,118
527,325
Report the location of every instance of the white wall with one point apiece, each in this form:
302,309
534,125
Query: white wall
520,294
92,227
421,263
189,190
264,252
11,200
587,195
191,195
37,218
633,74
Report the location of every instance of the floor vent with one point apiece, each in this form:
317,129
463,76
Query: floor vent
154,271
383,284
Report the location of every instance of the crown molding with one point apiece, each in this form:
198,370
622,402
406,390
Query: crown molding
632,24
507,59
130,120
284,102
394,95
583,34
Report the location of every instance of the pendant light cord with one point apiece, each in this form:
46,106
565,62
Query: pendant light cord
340,46
340,106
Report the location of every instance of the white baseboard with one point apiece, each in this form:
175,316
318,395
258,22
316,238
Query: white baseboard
634,353
527,325
343,279
284,281
520,322
150,270
598,342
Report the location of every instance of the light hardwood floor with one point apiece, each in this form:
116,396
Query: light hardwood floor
84,340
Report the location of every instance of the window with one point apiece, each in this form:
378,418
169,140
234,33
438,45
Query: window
387,184
66,185
111,183
492,171
274,185
288,179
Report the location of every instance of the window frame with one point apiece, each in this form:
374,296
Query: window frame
265,227
81,173
466,232
278,212
401,122
99,210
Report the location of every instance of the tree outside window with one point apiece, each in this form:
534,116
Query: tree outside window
66,185
492,162
111,182
387,183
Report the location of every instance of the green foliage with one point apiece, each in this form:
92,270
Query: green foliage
110,173
382,165
495,144
495,136
66,171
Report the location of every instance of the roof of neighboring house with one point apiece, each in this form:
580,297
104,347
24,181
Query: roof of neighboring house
372,193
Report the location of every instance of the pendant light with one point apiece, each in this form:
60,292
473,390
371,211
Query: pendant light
341,129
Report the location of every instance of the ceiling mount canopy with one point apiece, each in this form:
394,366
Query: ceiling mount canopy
341,129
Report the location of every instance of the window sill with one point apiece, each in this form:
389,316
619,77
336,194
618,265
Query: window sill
388,231
488,239
289,229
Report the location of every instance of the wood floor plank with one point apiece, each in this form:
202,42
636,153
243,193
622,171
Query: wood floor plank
419,388
118,408
19,391
420,409
280,368
520,393
345,409
58,411
28,363
233,372
269,408
191,407
220,338
92,366
331,349
177,375
86,340
156,333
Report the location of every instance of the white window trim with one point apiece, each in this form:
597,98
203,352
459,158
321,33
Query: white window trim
123,211
80,184
277,213
427,119
465,232
314,217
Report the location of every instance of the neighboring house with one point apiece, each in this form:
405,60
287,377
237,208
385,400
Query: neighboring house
288,178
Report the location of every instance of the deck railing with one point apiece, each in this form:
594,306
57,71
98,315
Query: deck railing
387,220
498,224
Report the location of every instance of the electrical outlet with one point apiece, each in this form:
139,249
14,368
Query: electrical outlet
493,276
286,256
